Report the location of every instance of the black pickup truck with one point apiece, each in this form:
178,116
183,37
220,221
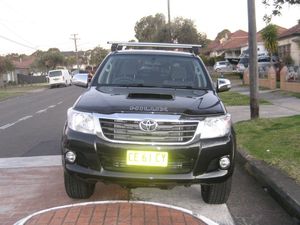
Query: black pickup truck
150,118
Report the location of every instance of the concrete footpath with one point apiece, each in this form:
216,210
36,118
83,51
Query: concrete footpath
284,189
281,105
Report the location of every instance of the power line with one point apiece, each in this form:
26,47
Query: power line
18,43
19,36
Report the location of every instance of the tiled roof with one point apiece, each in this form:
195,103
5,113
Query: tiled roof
214,44
239,34
295,30
237,40
24,63
234,43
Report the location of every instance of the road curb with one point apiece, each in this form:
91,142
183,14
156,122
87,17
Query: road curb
281,187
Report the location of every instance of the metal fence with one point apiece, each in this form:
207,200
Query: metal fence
293,74
27,79
263,71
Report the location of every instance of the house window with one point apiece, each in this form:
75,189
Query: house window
284,51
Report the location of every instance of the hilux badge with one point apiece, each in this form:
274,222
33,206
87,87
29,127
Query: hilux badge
148,125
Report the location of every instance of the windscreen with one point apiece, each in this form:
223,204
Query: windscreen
56,73
153,71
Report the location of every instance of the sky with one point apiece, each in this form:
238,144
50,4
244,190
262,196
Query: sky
30,25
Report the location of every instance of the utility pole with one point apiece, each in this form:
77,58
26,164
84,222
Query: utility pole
253,71
169,20
75,41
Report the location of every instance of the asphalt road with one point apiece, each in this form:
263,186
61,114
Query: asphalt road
31,125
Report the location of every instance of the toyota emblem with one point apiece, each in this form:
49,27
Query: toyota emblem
148,125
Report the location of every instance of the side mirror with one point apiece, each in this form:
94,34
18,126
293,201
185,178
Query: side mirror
80,79
223,85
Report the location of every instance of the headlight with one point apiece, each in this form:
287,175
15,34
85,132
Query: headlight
213,127
81,122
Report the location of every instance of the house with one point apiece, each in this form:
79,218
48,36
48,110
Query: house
229,46
22,66
233,46
236,44
289,44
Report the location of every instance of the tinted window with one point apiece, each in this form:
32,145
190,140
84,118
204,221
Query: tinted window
56,73
152,70
264,59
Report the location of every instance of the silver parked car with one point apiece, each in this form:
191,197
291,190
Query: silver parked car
222,66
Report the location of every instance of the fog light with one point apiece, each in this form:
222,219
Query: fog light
70,156
224,162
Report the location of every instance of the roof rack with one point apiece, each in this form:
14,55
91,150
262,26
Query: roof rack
119,45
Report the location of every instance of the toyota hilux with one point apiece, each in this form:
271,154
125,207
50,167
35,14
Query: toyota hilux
150,118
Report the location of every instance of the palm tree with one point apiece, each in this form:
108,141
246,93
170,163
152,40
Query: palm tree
269,37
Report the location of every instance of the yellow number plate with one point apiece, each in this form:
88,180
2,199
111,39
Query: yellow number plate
146,158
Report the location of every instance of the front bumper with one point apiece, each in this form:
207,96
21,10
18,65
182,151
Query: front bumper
100,160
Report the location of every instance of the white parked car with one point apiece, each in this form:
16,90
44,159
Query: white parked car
59,77
222,66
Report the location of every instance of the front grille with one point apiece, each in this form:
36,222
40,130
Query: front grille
166,132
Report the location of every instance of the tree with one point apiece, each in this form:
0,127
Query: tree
70,61
269,37
223,34
156,29
276,7
185,31
50,59
152,29
5,65
97,55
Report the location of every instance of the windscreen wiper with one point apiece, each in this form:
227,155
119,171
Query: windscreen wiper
183,87
134,85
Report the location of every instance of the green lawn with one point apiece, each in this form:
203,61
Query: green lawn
276,141
231,98
292,94
19,90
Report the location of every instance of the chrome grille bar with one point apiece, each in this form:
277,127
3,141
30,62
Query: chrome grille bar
129,131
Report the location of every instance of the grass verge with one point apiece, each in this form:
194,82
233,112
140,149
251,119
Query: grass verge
276,141
291,94
232,98
14,91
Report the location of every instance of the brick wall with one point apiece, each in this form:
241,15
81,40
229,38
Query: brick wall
268,80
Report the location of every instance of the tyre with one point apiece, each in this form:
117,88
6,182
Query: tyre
216,193
77,188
